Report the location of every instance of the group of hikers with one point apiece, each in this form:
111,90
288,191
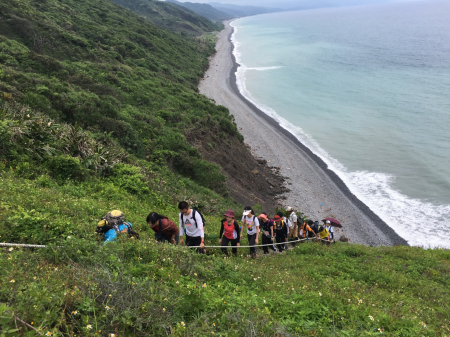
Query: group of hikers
275,233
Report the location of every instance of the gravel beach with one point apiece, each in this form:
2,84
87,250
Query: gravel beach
309,180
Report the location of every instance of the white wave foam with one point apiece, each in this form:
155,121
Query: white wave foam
419,223
265,68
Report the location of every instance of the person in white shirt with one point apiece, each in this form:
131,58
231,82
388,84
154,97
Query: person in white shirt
330,230
251,222
191,224
293,220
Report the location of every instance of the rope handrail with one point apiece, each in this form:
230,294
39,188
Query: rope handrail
4,244
269,244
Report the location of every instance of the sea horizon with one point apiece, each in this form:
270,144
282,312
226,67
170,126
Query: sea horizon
372,167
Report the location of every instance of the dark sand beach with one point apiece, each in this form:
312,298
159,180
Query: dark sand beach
308,179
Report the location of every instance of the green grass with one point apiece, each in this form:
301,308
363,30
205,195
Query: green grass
101,112
108,70
310,290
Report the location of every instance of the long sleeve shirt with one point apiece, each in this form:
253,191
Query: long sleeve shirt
112,233
168,228
188,224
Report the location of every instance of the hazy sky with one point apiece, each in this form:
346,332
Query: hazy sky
297,3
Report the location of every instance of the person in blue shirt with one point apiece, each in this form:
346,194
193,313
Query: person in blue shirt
113,224
112,233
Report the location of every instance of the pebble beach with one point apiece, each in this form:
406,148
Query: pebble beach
313,188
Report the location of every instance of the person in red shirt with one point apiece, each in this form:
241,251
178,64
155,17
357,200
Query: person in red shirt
229,232
165,230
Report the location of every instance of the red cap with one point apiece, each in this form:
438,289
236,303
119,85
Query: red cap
229,214
277,218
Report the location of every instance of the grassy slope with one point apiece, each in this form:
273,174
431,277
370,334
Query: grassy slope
204,9
169,16
141,288
98,65
93,63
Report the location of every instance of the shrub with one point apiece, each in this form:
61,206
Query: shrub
65,167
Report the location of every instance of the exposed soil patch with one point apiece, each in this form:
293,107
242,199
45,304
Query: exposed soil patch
249,179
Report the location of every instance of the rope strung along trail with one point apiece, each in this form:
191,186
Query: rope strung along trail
4,244
270,244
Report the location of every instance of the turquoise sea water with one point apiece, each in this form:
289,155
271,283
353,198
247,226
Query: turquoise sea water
368,90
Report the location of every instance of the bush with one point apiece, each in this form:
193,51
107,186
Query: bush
65,167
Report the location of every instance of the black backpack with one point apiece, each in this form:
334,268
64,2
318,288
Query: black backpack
193,217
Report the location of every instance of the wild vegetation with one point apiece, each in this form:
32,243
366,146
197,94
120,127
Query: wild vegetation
205,10
100,111
100,66
165,14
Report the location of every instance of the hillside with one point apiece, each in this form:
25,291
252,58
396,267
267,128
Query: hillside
100,110
242,10
205,10
98,65
169,16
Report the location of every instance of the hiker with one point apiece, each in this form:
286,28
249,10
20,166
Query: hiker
293,221
251,222
315,227
324,235
267,232
330,230
229,232
280,231
165,230
305,230
288,225
191,224
112,224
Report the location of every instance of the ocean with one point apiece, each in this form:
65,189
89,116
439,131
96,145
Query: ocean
368,90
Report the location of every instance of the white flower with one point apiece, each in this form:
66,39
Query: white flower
264,301
182,323
69,237
107,308
48,333
371,318
380,330
11,249
293,302
320,294
89,327
12,281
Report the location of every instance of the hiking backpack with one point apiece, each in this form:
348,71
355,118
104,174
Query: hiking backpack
113,220
315,227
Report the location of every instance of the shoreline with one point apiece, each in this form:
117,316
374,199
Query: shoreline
357,214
